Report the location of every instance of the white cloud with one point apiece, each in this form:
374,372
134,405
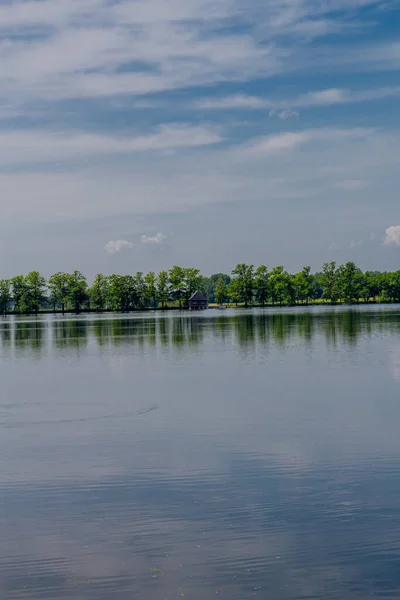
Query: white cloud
284,108
31,146
306,164
272,144
236,101
333,246
159,238
330,96
392,236
79,47
117,246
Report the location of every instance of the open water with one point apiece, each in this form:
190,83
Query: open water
228,455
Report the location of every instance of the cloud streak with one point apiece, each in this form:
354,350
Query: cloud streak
94,48
287,141
313,99
33,146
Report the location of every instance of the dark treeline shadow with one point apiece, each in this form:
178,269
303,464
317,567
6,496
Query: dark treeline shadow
177,331
69,334
28,336
246,330
5,335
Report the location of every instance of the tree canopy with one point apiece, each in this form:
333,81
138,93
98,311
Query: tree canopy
246,286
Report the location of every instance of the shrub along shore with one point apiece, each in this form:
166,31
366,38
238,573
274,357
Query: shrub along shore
244,286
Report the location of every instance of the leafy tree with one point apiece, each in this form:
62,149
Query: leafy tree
177,284
141,297
373,285
35,296
59,287
261,285
281,286
99,293
210,283
123,292
162,286
5,295
19,293
77,292
329,282
151,287
349,278
243,283
193,281
221,291
391,286
234,291
305,285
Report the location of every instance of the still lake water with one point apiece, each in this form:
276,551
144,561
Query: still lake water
224,454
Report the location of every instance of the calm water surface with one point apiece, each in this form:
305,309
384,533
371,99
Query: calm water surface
231,455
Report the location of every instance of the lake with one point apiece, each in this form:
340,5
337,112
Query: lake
192,456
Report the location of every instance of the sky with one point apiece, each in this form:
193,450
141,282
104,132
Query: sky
139,134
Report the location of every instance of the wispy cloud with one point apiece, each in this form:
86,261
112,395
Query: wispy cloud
392,236
91,48
159,239
116,246
284,107
235,101
31,146
289,140
273,144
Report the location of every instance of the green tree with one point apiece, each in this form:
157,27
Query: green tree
210,283
177,284
141,297
391,286
281,286
243,283
305,285
162,285
261,285
35,295
151,287
59,287
350,282
221,291
123,292
372,285
99,293
5,296
19,293
329,282
77,292
193,281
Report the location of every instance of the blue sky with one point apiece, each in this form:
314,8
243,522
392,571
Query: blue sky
136,134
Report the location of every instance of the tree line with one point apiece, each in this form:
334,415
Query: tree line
245,286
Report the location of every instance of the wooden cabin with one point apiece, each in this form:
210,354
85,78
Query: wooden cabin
198,301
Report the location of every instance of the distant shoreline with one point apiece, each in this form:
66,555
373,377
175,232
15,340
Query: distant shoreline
213,307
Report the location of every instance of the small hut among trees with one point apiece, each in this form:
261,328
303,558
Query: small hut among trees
198,301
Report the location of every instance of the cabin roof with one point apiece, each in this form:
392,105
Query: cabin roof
198,296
